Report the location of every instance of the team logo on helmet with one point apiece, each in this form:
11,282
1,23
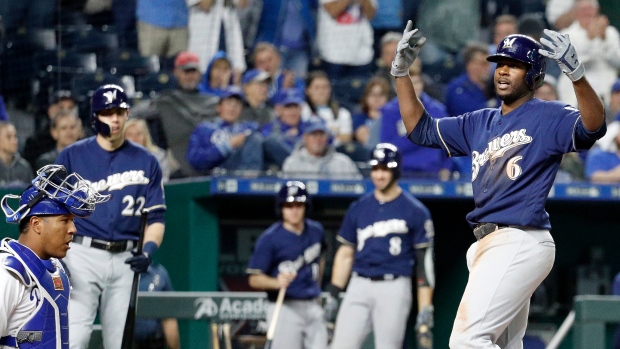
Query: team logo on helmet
292,191
509,42
110,96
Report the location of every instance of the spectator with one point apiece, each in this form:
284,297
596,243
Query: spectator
219,75
547,91
214,26
388,18
66,129
560,13
603,163
290,26
345,37
416,160
162,27
42,141
156,333
3,114
256,106
320,103
314,158
226,143
367,124
598,46
389,42
613,107
174,114
137,131
14,170
267,57
282,134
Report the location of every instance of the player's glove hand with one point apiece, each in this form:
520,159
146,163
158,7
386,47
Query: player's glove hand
331,303
140,261
423,327
406,51
560,49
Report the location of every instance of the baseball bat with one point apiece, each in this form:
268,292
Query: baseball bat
130,320
215,335
227,337
274,320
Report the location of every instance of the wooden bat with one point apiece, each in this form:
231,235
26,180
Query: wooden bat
274,321
227,337
130,320
215,335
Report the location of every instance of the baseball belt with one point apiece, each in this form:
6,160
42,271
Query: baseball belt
110,246
484,229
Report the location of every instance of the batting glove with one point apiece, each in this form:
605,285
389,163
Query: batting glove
140,261
560,49
407,51
330,308
423,327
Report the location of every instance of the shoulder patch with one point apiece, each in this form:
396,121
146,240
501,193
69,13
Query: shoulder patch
17,268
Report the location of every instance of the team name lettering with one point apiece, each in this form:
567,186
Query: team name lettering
496,148
119,181
380,229
309,255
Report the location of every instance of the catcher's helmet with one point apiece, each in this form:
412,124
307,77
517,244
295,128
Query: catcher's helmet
523,49
53,192
106,97
292,191
387,154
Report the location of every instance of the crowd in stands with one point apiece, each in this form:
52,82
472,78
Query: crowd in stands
296,88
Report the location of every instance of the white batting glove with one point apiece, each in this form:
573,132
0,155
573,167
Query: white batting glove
406,51
564,53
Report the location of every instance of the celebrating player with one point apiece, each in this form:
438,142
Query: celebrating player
382,234
104,242
516,151
289,255
33,284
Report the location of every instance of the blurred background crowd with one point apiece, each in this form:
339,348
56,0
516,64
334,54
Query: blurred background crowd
292,88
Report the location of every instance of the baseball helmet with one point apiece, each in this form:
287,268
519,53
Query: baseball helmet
523,49
106,97
387,154
53,192
292,191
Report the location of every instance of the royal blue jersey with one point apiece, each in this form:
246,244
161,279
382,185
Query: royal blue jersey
130,174
515,156
280,250
386,234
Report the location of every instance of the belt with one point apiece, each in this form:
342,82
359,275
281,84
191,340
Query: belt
110,246
384,277
484,229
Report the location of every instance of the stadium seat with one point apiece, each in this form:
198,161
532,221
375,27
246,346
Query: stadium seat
348,91
85,38
130,62
151,84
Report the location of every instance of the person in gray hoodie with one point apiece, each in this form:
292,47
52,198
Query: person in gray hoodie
315,158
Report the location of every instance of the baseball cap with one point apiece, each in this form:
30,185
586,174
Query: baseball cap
187,60
231,92
288,96
616,86
316,126
255,75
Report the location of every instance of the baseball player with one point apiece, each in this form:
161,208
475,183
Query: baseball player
289,254
383,235
33,284
516,151
103,246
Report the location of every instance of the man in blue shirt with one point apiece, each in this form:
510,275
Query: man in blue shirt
162,27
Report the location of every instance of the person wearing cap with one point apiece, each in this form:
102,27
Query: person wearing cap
33,283
315,158
173,115
256,107
282,134
226,143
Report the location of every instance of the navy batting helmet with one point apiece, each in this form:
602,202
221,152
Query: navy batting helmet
53,192
523,49
292,191
387,154
106,97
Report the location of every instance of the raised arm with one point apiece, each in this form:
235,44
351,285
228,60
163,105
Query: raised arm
589,104
411,109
